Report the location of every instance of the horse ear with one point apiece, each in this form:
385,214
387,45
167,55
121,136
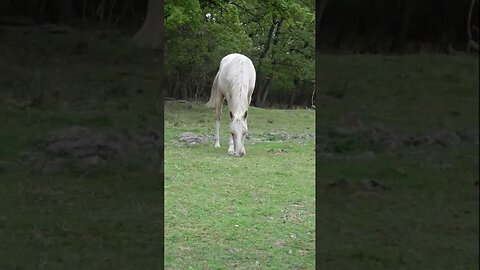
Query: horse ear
245,115
231,115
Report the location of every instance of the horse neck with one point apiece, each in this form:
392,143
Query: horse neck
239,102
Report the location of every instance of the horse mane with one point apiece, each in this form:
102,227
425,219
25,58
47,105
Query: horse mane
239,92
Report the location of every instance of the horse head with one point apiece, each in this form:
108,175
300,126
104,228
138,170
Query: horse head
238,129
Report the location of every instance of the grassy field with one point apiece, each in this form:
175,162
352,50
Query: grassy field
256,212
428,216
221,212
110,220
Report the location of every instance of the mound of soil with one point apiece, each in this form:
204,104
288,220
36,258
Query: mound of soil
84,149
283,135
355,141
189,138
380,135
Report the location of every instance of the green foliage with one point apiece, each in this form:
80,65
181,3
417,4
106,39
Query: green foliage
181,13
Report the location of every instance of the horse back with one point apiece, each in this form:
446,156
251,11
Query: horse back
236,70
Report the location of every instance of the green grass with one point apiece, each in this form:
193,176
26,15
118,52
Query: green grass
429,217
68,222
409,93
108,85
255,212
110,220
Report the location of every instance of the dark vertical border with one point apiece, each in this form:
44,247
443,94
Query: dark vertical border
317,137
161,141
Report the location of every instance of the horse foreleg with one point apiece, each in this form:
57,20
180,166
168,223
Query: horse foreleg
217,133
231,150
218,116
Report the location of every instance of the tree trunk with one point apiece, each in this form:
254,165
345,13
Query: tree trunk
277,32
265,91
63,12
184,91
314,98
470,41
321,9
258,92
269,39
292,99
401,39
84,14
337,44
262,90
110,13
101,10
261,86
150,36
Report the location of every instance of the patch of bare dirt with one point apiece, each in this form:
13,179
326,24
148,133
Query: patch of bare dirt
354,140
85,149
190,138
359,157
379,134
364,186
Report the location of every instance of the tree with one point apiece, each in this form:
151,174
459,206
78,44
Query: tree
287,48
195,44
278,35
150,35
471,43
401,36
63,11
321,10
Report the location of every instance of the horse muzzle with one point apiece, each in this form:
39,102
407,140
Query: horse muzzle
240,154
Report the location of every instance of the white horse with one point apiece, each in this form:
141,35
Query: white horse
234,81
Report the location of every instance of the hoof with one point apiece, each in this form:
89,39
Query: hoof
231,153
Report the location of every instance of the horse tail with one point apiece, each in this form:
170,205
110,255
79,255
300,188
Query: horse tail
213,95
211,101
